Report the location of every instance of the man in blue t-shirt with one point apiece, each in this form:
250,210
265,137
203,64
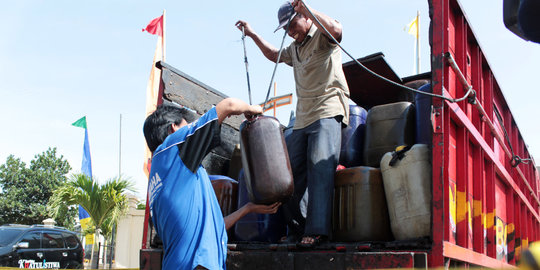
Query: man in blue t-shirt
184,208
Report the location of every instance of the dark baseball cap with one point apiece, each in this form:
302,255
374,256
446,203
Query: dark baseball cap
285,13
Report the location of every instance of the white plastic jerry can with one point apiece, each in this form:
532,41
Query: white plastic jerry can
407,187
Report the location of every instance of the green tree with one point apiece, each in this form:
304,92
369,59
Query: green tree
141,205
105,204
25,191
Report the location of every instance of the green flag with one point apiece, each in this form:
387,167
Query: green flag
80,123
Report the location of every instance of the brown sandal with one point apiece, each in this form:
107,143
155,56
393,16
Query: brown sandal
290,239
317,240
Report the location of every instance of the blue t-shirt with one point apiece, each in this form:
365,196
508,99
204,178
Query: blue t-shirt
184,208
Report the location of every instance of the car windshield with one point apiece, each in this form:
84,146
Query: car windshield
8,235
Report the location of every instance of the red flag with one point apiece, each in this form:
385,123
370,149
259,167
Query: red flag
155,27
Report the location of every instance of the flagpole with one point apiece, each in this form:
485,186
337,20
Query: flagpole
417,42
163,39
120,148
154,86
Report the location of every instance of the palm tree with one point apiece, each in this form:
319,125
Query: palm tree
105,204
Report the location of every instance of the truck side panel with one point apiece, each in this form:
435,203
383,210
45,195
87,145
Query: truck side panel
476,144
485,206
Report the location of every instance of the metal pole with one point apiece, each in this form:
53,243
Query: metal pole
95,261
104,254
417,42
163,39
111,247
275,86
246,63
120,148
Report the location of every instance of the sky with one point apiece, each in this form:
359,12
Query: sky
62,59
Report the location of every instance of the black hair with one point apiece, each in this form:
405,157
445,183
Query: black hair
157,125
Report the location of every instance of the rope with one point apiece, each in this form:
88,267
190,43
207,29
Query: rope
470,91
246,62
470,95
515,160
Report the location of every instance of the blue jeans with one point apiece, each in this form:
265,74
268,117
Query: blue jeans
314,156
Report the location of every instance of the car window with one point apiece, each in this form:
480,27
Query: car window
8,235
33,239
52,240
71,240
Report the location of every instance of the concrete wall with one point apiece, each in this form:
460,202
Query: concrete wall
129,237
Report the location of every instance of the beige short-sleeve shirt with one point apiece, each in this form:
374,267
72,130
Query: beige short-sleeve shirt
321,87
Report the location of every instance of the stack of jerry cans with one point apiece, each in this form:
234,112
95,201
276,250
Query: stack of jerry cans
360,202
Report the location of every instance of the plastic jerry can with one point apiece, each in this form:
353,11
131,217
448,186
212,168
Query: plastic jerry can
387,127
407,185
255,227
265,160
287,131
352,137
226,190
416,84
360,212
423,115
235,163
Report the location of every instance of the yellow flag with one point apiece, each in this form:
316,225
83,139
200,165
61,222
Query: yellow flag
89,237
412,27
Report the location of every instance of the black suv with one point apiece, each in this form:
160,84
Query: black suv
39,246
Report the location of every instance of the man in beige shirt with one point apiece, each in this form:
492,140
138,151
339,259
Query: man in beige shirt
321,110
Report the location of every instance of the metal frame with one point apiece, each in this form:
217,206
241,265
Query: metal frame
469,151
